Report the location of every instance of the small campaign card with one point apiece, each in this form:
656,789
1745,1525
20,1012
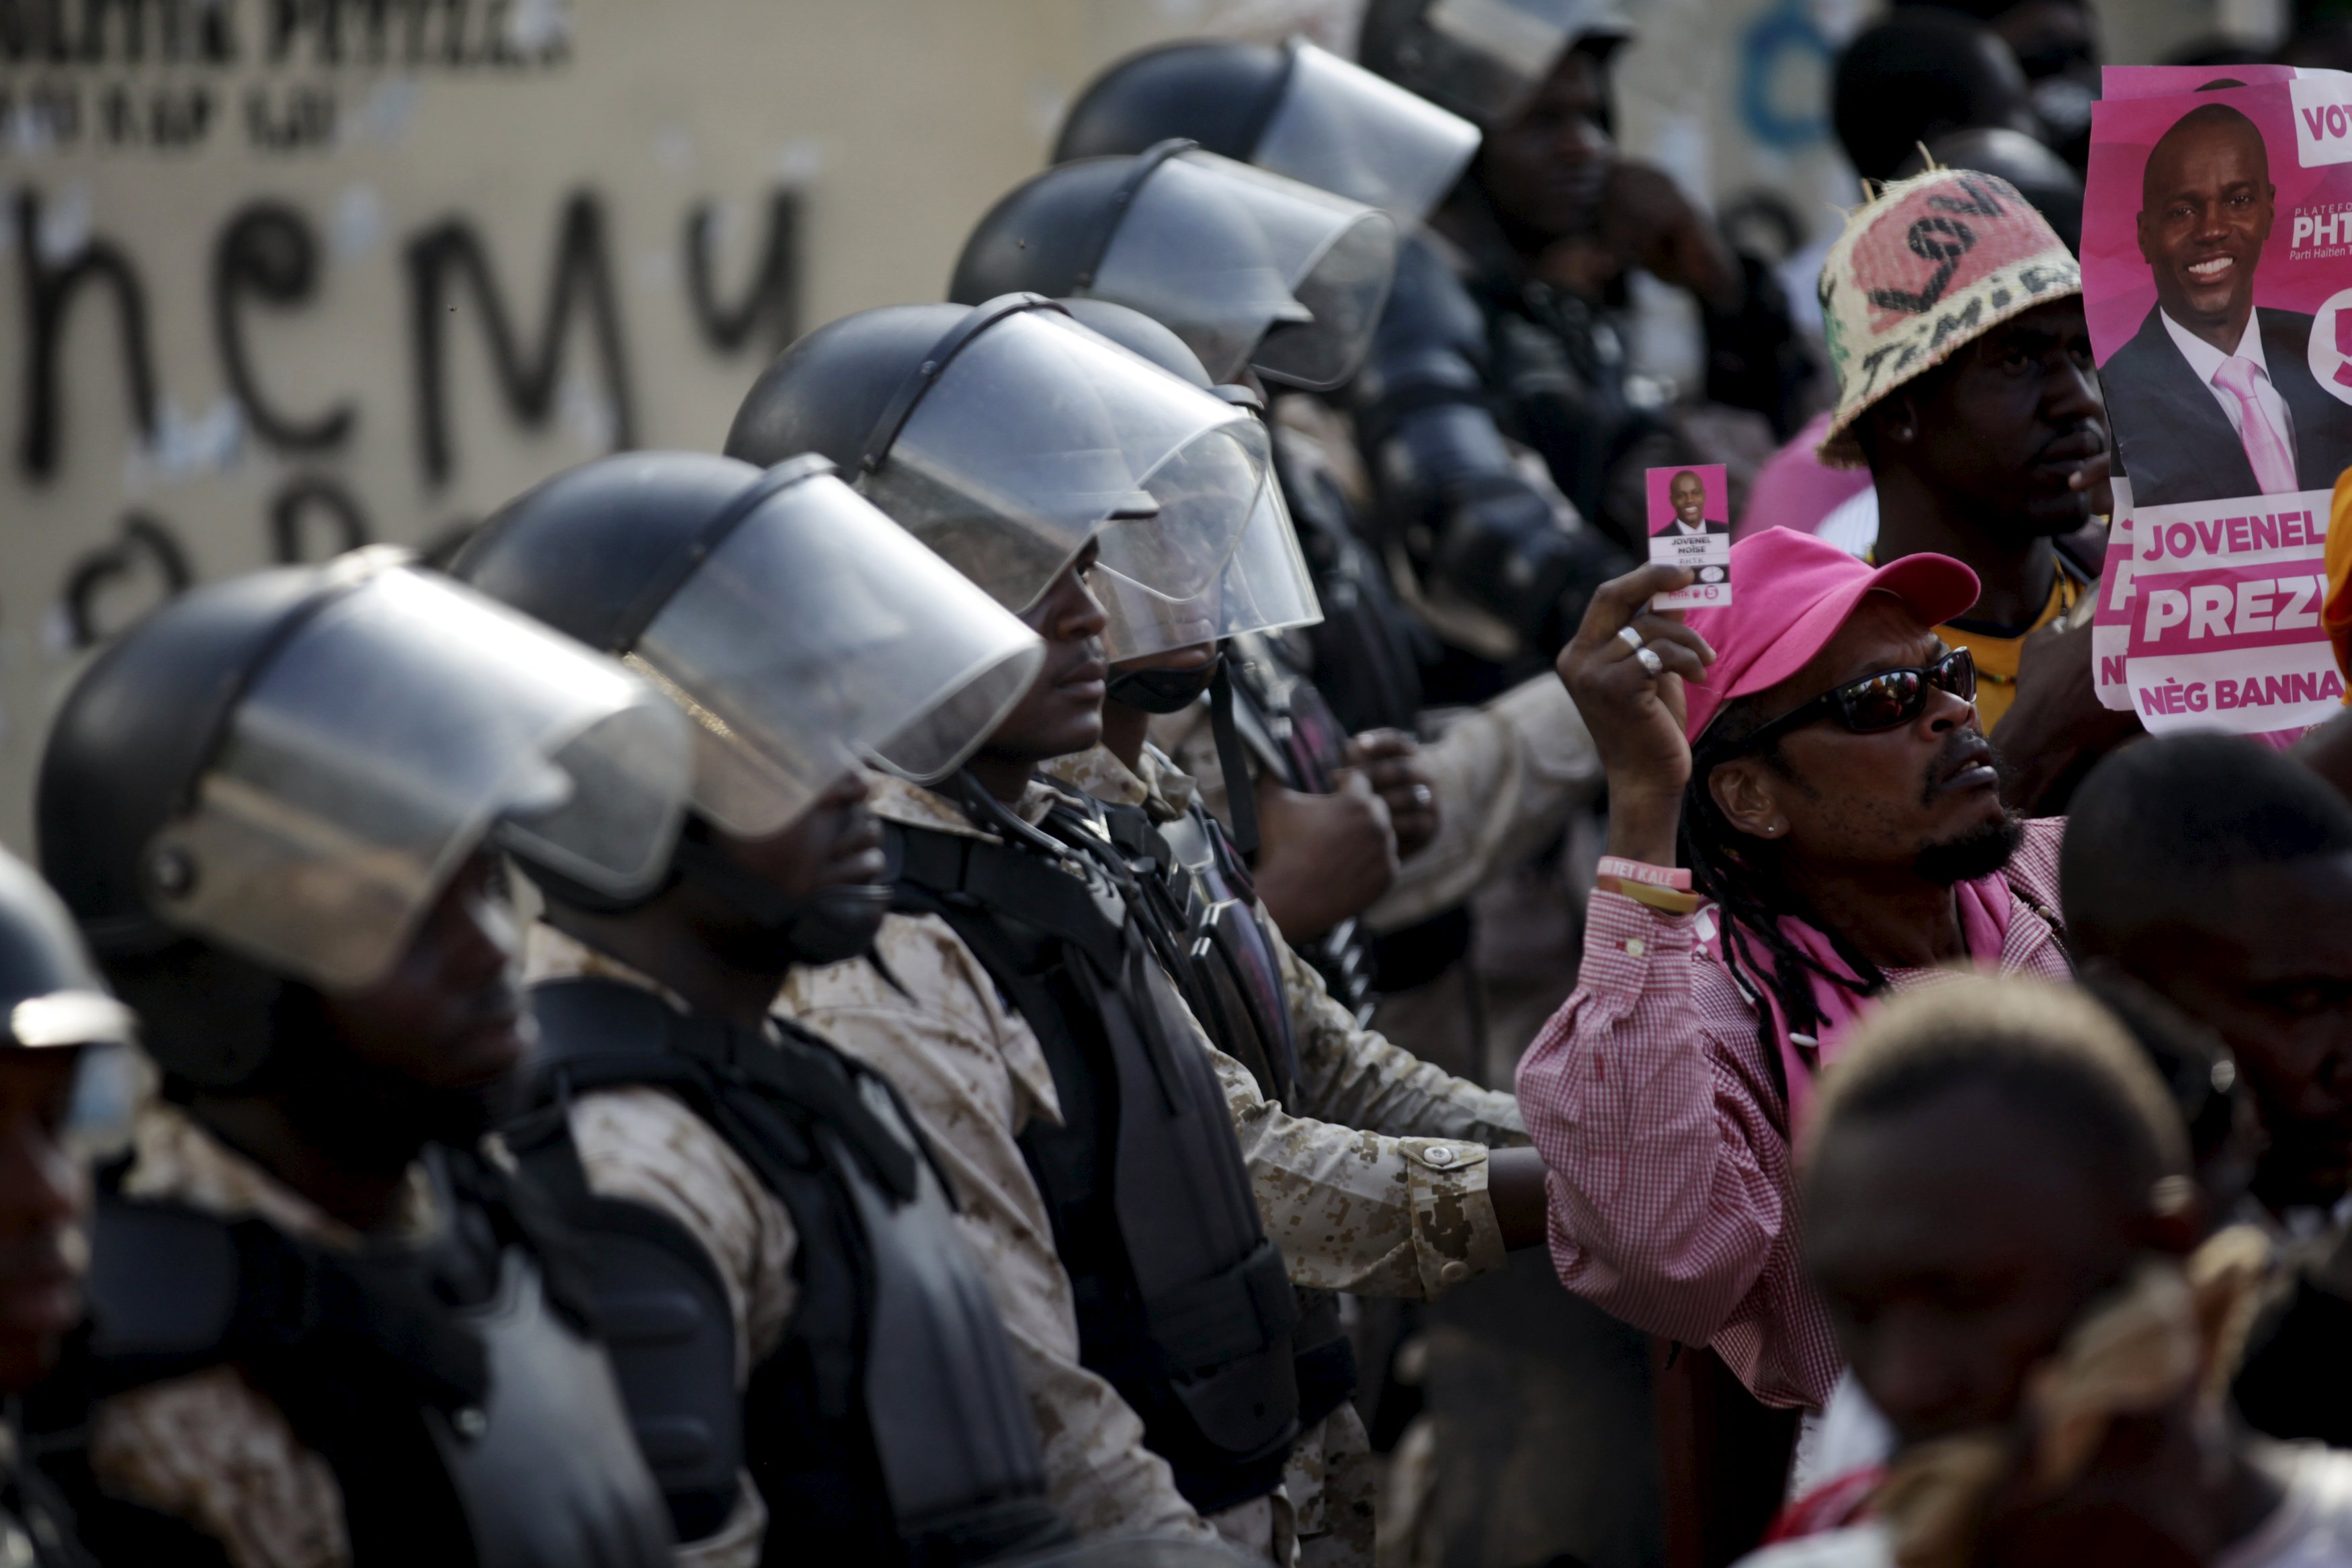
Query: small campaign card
1690,526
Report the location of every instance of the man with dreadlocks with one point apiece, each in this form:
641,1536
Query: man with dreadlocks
1804,814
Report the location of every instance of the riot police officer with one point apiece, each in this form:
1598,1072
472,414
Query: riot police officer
834,1355
1479,540
57,1011
326,1328
1263,1004
1507,320
1257,275
1501,780
1018,1002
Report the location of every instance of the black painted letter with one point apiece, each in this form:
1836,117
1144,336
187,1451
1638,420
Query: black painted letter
451,254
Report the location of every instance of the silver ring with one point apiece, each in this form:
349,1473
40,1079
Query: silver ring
1631,638
1423,795
1650,660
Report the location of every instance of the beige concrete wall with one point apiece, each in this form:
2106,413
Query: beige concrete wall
885,127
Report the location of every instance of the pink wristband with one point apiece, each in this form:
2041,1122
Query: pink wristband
1668,876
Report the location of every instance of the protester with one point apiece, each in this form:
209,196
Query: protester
2218,874
1919,75
705,1149
1013,999
335,1327
57,1013
1999,1208
1796,489
1506,323
1973,402
2056,42
1808,762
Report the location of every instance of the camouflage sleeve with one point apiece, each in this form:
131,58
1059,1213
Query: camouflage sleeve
1507,777
646,1147
213,1450
1359,1212
1356,1076
973,1075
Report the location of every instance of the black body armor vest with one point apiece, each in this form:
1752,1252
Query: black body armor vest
1368,648
453,1388
890,1426
1201,912
1183,1305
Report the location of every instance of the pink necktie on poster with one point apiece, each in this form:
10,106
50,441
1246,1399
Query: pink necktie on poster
2265,444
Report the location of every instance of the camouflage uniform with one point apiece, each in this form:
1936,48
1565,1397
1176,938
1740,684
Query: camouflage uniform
1507,777
1351,1211
1346,1074
209,1448
643,1145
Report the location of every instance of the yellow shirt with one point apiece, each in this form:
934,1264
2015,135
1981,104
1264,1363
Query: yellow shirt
1997,656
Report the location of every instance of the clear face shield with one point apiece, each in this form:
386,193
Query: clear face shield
1032,435
1266,586
1251,270
1486,59
1339,128
400,727
815,633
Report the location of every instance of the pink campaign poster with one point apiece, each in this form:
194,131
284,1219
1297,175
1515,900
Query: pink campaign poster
2217,273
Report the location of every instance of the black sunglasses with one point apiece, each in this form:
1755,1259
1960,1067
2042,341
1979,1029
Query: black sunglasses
1886,700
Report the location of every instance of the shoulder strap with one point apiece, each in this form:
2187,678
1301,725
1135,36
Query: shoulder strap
945,872
603,1033
174,1289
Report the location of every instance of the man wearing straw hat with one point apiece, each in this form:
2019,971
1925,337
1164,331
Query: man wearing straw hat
1954,317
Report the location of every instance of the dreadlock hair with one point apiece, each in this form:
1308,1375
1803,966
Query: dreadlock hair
1740,874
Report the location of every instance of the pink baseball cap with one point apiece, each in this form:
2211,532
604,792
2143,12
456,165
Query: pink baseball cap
1792,592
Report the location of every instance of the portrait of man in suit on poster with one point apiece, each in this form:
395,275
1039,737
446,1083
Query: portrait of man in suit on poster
2213,397
1687,493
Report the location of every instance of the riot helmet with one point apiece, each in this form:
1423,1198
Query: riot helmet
1297,110
1266,586
1484,59
51,995
1254,271
1006,437
272,780
800,629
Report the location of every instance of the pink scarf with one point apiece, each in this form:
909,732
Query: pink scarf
1984,906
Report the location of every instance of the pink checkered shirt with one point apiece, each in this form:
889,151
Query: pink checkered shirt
1672,1183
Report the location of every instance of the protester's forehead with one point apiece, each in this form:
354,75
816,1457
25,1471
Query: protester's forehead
2281,919
1962,1175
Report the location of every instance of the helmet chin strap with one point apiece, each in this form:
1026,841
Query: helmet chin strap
829,926
1162,691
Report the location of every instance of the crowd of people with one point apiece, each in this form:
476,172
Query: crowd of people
906,988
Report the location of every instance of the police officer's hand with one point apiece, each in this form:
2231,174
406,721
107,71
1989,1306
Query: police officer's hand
1648,221
1391,759
1636,715
2056,728
1322,859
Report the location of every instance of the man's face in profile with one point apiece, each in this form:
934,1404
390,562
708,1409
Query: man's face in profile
2206,208
1689,495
